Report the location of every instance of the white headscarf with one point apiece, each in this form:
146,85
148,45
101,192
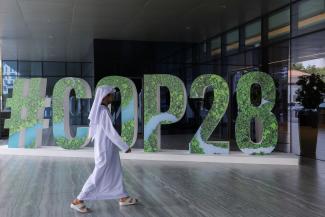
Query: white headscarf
94,115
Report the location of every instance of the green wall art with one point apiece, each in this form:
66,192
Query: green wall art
263,112
200,143
27,113
60,106
129,106
153,117
28,103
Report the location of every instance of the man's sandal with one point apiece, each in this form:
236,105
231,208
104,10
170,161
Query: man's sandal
128,201
80,207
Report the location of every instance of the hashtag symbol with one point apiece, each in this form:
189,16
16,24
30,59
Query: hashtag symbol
27,113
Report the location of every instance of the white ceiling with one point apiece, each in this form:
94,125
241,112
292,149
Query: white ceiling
63,30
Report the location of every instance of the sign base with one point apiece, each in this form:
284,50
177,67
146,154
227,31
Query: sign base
275,158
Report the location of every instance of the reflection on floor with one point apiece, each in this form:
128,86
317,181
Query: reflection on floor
44,186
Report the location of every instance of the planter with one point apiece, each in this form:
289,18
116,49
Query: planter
320,147
308,129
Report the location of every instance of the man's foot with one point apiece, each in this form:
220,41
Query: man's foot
128,201
79,206
76,201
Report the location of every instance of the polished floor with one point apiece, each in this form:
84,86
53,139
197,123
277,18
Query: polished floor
44,186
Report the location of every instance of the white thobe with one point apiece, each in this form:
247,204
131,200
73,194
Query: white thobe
106,180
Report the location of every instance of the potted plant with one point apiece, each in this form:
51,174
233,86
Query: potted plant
310,95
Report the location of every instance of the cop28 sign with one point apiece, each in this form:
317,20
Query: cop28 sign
28,104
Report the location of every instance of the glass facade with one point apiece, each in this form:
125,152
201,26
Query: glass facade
271,43
286,43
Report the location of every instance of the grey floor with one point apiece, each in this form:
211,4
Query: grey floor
43,186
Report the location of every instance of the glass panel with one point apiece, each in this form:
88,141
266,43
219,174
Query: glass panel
74,69
278,68
204,48
188,56
36,69
24,69
253,34
310,8
87,70
310,13
54,69
27,69
232,39
279,24
216,46
307,106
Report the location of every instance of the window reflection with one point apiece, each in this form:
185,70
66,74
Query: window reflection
253,34
279,24
232,41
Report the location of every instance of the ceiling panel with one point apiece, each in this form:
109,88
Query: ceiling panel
64,29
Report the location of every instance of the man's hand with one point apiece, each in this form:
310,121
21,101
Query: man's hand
128,151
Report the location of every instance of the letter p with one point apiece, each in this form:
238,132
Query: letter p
153,117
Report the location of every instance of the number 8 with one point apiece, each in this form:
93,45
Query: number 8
247,111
